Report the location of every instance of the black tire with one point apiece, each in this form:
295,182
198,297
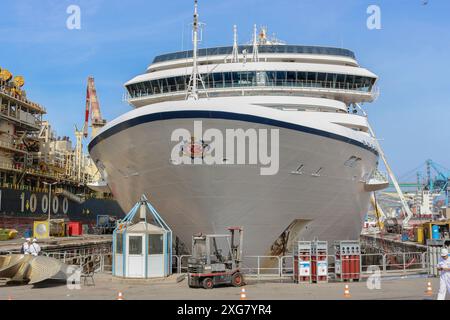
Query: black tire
237,279
208,283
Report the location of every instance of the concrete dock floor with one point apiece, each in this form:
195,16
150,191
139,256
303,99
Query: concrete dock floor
107,288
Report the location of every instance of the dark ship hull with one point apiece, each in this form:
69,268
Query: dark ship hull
19,208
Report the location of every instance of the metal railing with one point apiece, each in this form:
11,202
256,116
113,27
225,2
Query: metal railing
262,267
7,91
22,187
266,266
102,260
12,146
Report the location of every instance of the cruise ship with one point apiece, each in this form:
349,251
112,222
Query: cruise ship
311,96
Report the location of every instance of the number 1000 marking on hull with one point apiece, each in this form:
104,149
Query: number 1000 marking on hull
31,204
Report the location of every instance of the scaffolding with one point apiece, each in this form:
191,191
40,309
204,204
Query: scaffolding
30,152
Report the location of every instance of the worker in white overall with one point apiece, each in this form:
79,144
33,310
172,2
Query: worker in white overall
444,267
26,246
34,248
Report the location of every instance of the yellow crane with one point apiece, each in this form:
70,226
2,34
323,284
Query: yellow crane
381,217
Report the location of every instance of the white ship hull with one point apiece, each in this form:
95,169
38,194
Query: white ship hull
135,153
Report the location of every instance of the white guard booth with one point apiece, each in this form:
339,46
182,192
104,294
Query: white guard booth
142,249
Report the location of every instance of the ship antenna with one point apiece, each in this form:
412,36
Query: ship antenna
255,45
195,77
235,53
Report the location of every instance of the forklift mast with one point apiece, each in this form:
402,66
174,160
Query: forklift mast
236,247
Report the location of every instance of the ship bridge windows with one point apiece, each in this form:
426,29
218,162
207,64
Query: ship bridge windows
228,79
301,79
243,78
290,49
291,77
171,82
261,78
321,77
311,77
281,78
302,76
271,77
181,83
218,80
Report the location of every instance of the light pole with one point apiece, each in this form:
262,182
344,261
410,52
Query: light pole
50,198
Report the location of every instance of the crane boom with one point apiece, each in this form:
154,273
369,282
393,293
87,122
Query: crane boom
86,115
92,109
408,213
381,216
96,115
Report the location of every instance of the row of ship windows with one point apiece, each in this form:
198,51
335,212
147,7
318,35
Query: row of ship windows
261,49
255,78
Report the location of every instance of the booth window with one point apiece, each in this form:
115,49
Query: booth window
119,243
135,245
155,244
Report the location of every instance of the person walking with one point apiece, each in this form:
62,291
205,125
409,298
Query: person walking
444,267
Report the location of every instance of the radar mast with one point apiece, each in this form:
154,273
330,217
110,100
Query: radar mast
195,77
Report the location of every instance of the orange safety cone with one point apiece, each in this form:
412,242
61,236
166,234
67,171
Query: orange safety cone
429,291
120,296
347,292
243,295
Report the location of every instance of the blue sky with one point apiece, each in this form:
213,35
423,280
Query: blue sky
118,39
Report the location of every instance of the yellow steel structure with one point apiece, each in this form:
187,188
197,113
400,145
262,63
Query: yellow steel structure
419,235
381,217
5,75
19,81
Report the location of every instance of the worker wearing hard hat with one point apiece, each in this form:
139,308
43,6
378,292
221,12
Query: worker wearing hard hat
444,267
35,248
26,246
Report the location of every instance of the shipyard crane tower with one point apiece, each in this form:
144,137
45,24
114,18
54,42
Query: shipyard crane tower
92,109
441,181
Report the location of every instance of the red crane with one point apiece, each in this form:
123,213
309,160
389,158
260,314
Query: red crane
92,109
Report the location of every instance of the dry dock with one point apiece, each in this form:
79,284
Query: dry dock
407,281
107,288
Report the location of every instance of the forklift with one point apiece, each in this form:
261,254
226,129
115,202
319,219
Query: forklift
209,265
